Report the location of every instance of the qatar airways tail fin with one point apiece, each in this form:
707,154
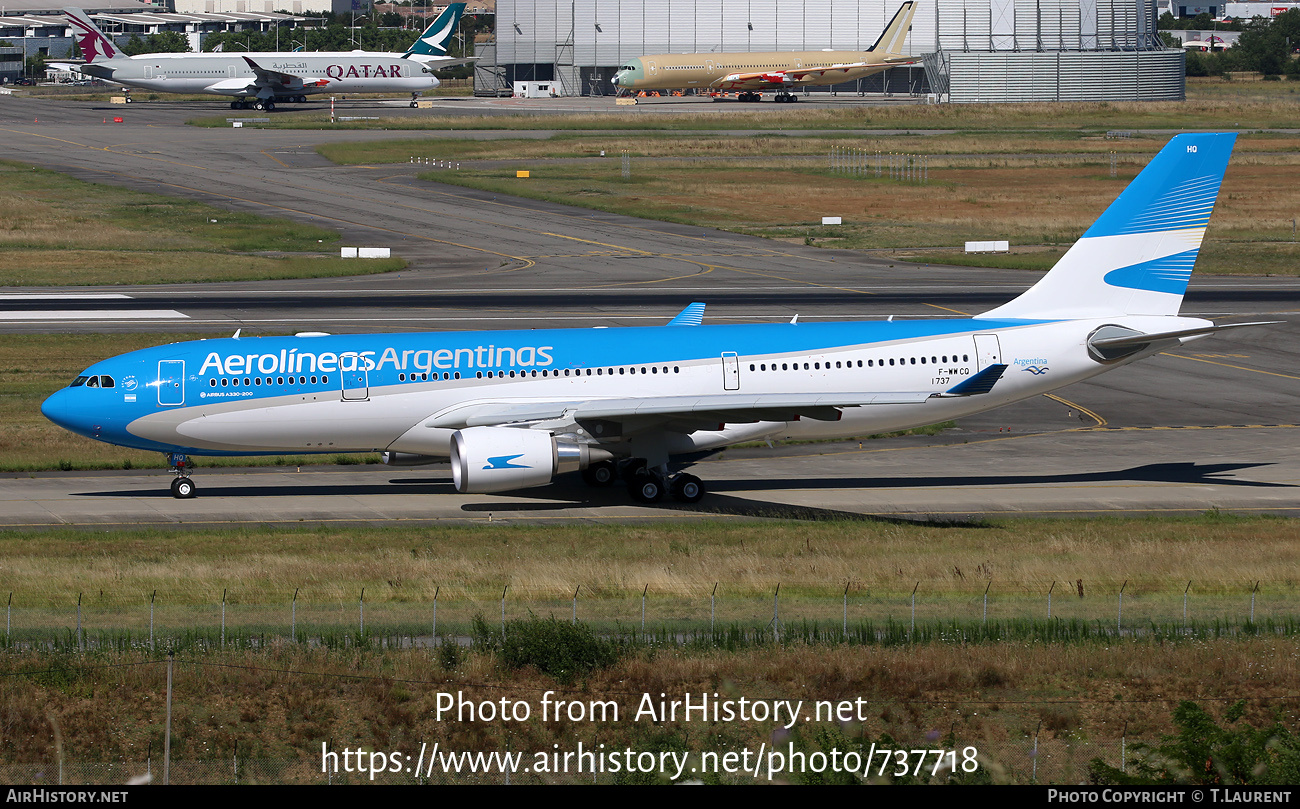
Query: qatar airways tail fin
1137,258
94,45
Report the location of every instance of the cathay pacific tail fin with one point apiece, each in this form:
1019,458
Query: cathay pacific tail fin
436,39
1137,258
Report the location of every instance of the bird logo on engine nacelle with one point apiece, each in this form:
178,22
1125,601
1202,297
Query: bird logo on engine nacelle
503,462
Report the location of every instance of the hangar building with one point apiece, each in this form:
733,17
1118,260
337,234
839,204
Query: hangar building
973,50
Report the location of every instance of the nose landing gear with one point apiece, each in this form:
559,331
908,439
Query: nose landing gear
182,487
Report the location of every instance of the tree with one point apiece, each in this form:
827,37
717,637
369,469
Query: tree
166,42
1203,752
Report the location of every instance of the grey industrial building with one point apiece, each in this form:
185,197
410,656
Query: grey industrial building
971,50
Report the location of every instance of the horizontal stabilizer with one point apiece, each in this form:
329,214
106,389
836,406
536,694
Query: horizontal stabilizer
692,315
982,382
1144,339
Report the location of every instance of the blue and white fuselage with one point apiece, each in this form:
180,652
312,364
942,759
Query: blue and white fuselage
513,408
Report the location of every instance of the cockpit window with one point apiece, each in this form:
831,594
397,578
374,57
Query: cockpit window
106,382
79,381
92,381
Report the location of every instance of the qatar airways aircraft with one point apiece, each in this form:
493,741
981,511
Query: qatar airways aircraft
512,409
259,80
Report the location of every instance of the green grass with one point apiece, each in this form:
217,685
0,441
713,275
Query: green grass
55,230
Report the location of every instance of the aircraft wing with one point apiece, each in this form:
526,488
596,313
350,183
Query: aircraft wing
278,80
730,408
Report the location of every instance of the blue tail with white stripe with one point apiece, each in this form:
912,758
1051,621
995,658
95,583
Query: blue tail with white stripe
1137,258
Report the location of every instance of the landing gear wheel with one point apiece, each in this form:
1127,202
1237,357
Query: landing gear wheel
270,106
236,105
182,488
412,105
599,474
687,489
646,488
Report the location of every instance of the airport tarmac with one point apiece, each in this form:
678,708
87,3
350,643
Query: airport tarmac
487,261
972,474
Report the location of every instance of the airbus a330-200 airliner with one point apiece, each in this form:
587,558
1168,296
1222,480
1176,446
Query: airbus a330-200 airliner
513,409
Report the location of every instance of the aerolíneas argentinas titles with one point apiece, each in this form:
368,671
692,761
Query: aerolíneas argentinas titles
512,409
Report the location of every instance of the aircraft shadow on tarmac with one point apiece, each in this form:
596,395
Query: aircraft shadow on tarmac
1180,472
564,495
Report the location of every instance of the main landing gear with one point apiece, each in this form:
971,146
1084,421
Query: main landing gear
182,487
785,98
645,485
264,104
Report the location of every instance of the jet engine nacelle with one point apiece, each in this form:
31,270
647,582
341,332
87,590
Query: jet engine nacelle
498,459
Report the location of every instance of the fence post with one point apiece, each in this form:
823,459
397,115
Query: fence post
361,610
1123,748
575,603
776,612
912,633
80,646
1189,587
643,592
986,601
1119,622
845,631
1252,602
152,596
1049,600
167,736
503,610
223,618
293,617
713,608
1034,756
9,609
436,590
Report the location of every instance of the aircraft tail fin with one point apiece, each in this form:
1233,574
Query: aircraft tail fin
437,37
1137,258
891,41
94,45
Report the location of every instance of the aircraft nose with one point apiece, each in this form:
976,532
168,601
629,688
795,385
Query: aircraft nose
55,408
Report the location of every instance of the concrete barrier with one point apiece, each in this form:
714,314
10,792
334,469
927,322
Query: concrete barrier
988,247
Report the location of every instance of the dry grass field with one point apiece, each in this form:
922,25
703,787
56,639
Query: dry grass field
1039,190
1078,700
678,565
281,699
56,231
